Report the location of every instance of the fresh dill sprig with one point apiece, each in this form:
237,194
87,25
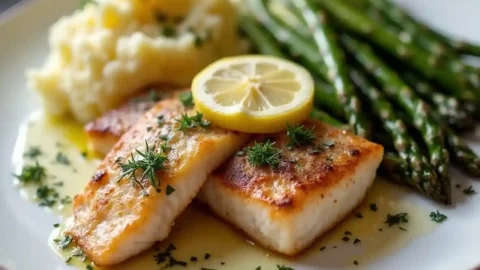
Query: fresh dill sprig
47,196
187,122
186,98
32,174
396,219
149,164
299,135
438,217
262,154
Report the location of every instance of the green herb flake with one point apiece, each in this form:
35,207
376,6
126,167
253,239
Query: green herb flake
469,191
359,215
66,200
396,219
187,99
68,259
168,31
261,154
373,207
47,196
348,233
346,239
61,158
32,174
169,190
283,267
356,241
89,267
65,242
300,136
438,217
207,256
84,154
193,259
355,262
322,248
149,163
189,122
168,258
258,268
56,225
33,152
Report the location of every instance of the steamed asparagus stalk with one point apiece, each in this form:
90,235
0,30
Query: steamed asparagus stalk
309,52
410,31
413,105
453,111
328,47
327,119
419,171
433,38
409,53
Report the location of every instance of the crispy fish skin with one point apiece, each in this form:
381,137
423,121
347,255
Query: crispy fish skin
113,220
287,208
103,132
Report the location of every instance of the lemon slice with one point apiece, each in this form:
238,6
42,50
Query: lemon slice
253,93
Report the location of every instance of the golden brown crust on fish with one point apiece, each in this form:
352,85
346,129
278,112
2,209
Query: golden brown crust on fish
113,220
314,187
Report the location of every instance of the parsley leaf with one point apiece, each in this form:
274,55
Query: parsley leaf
61,158
186,98
32,174
469,191
188,122
283,267
33,152
396,219
438,217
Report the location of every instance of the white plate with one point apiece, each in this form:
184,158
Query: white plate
24,228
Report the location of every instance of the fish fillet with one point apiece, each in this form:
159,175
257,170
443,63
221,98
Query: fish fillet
287,208
105,131
114,220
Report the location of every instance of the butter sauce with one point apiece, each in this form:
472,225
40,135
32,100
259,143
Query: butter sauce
197,232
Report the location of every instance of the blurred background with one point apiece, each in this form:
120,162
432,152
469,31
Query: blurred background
4,4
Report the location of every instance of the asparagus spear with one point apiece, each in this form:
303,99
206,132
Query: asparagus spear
409,53
413,105
453,111
326,98
328,47
326,118
420,172
315,60
425,33
410,31
260,37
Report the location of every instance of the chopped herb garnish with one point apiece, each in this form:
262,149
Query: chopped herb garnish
359,215
187,122
65,242
164,147
32,174
83,3
258,268
403,229
345,239
396,219
322,248
47,196
283,267
457,185
198,41
89,267
373,207
261,154
66,200
348,233
169,190
186,98
299,135
56,225
380,230
222,263
193,259
84,154
149,164
469,191
68,259
334,246
356,241
355,262
58,184
438,217
207,256
167,257
61,158
33,152
168,31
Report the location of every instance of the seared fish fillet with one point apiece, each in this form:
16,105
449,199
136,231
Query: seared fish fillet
105,131
313,189
113,220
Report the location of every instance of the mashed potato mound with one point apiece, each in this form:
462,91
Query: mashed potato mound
111,49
